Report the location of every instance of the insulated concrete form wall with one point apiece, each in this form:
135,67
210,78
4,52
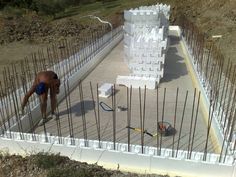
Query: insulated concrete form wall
148,162
145,43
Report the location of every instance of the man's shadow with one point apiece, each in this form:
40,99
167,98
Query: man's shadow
76,109
174,66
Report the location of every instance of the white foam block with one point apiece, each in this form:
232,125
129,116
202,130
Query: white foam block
105,90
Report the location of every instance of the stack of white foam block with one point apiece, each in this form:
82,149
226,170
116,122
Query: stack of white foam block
145,44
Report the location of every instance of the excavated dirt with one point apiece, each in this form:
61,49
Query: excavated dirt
45,165
213,17
36,30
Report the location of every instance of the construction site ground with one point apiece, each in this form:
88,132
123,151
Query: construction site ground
176,75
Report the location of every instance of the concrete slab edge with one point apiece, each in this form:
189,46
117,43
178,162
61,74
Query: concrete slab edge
120,159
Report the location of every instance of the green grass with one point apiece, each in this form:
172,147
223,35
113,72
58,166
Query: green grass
104,10
96,8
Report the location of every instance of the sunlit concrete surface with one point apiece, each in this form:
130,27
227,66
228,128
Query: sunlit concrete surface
176,75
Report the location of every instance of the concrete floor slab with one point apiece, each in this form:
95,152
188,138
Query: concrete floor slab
176,75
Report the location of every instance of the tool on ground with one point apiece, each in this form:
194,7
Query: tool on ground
164,128
105,107
139,130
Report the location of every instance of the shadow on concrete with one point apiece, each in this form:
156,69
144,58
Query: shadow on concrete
76,109
174,40
174,67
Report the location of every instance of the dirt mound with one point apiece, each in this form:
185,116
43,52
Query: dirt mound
34,28
45,165
214,17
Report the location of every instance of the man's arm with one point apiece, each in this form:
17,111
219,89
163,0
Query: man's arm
28,94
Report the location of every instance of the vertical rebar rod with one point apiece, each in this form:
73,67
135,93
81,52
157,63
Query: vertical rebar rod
19,124
181,124
128,123
8,92
217,80
94,110
83,114
175,118
157,118
98,110
207,63
195,124
144,111
191,121
130,111
8,99
70,111
66,92
140,114
6,105
162,116
212,71
17,82
2,106
68,57
62,62
14,94
58,121
24,86
114,115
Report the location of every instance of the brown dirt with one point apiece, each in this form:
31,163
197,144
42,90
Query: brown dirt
213,17
45,165
35,29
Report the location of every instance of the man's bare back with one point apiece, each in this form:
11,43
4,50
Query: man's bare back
44,81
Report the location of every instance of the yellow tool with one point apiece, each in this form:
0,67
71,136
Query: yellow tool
164,128
145,131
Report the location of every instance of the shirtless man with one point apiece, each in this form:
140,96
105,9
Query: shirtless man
44,81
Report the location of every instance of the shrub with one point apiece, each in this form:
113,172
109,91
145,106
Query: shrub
49,7
16,3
